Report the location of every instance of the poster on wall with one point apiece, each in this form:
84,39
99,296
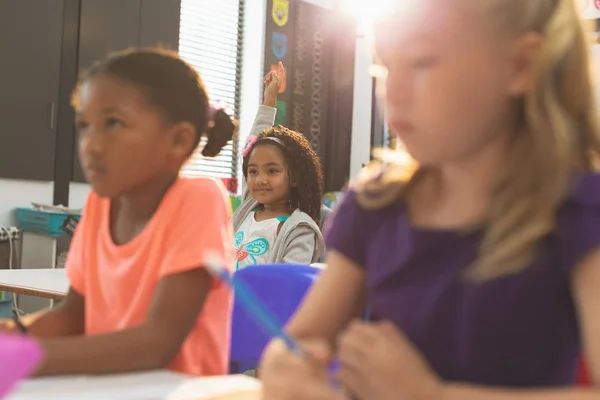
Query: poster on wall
279,38
311,75
297,33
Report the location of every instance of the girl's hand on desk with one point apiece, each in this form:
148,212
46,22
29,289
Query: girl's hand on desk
287,376
378,362
7,326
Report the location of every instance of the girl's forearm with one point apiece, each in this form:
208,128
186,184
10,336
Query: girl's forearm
54,322
134,349
270,101
470,392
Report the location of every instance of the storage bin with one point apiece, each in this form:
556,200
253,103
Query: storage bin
6,303
43,222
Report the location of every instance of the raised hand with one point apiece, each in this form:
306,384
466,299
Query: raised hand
274,84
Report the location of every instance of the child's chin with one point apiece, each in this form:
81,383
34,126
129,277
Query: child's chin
261,195
103,191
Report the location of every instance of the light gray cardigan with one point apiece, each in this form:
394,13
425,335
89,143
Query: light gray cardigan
299,240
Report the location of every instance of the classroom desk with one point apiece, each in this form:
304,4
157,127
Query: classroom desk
47,283
153,385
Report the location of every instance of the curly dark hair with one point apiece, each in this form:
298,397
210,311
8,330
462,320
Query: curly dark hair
303,165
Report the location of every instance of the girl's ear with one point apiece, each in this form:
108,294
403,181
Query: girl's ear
525,63
293,182
183,138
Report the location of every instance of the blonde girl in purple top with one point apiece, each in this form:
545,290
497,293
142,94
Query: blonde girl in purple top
479,259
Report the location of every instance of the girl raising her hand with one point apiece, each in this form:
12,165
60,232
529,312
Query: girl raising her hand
278,221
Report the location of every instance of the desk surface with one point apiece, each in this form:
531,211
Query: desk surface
154,385
47,283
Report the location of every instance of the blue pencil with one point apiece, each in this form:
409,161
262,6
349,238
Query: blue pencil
253,305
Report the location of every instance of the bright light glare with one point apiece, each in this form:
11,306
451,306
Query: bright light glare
365,11
361,8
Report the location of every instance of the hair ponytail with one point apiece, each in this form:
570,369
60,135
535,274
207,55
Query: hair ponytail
219,132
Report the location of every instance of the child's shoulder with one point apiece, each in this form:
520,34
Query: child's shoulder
208,189
352,202
197,195
582,202
585,190
578,219
205,185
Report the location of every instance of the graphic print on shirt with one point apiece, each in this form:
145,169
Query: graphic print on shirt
251,250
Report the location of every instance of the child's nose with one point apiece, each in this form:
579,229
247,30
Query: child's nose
91,143
263,178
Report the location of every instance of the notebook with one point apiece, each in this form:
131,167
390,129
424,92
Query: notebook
155,385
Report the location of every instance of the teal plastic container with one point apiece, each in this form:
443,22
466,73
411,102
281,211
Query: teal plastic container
43,222
6,303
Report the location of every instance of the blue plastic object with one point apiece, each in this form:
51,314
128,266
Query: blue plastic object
281,287
6,303
43,222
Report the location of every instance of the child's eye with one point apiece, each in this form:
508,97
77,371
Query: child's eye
424,62
81,126
252,172
113,123
273,171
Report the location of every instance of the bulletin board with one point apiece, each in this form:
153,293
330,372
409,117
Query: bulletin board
298,34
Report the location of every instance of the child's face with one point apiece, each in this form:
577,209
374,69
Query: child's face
122,141
268,176
447,79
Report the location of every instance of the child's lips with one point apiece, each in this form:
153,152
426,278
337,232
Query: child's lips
261,191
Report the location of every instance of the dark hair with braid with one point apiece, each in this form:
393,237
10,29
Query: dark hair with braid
173,87
303,165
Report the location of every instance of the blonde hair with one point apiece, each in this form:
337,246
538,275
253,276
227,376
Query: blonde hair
561,137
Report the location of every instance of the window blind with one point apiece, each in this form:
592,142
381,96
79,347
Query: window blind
210,39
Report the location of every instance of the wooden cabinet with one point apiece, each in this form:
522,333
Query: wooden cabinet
40,54
106,26
30,52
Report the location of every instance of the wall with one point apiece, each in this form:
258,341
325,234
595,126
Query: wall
361,113
18,193
596,54
15,193
591,11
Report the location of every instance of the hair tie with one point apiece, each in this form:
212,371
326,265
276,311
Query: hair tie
274,139
251,141
215,106
249,144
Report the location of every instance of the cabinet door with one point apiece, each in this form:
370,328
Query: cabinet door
30,49
159,23
105,26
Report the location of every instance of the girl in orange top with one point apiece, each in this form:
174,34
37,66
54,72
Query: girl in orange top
140,298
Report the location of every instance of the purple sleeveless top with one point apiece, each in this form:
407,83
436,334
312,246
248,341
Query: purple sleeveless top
515,331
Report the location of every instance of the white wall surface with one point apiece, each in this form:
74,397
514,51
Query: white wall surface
21,193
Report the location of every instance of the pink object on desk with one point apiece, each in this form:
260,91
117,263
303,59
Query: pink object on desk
19,356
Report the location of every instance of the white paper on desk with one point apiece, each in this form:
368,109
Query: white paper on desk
210,387
157,385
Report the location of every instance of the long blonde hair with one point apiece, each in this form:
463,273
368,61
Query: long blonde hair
561,136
